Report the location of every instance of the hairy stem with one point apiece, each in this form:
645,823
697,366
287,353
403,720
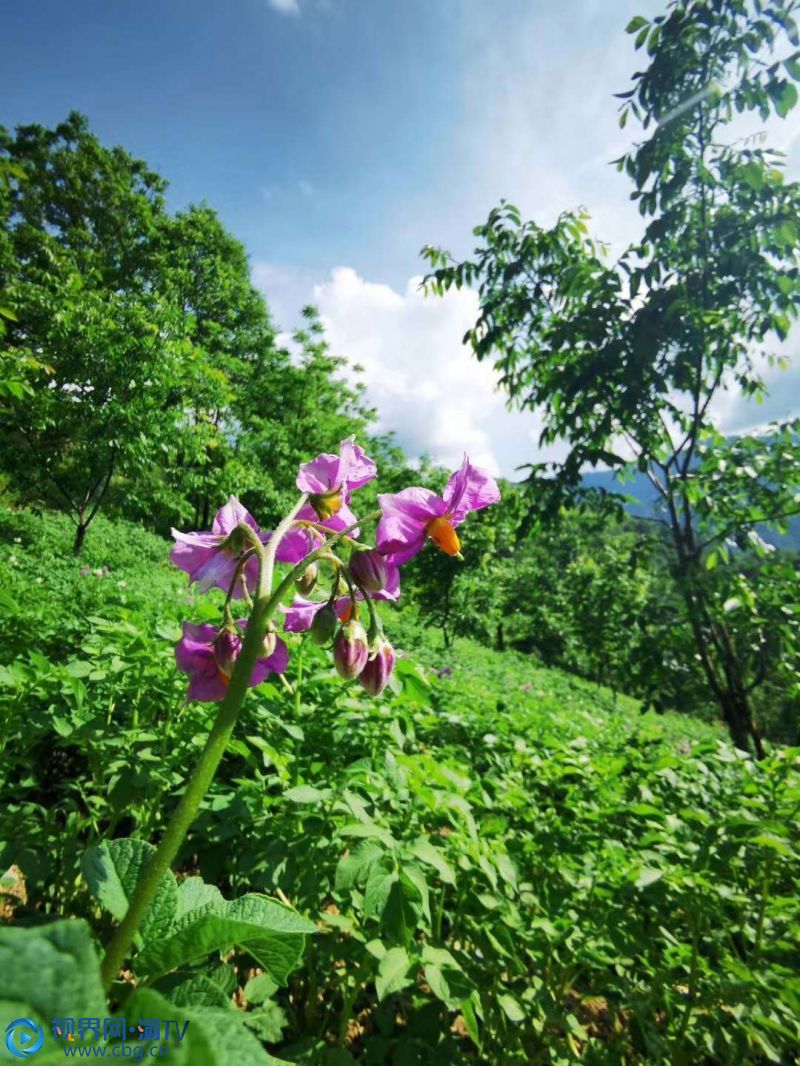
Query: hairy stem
266,602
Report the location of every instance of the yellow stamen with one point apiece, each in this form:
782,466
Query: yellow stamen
327,504
444,536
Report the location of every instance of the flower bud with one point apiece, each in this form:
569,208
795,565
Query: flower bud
350,650
327,504
375,675
227,645
324,625
270,642
307,580
369,569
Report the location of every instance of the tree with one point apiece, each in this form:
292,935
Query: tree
205,273
82,279
625,359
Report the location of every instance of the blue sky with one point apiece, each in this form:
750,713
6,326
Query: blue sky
336,137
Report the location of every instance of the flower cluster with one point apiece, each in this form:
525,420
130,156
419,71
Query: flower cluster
321,542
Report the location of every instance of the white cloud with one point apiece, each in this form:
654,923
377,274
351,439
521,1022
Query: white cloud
286,7
426,386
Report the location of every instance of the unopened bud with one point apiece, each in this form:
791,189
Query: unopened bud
270,642
369,569
327,504
350,650
375,675
307,580
227,645
324,625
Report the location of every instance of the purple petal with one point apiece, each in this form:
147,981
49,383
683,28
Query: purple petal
469,489
228,518
343,519
274,664
401,530
391,590
300,615
199,632
319,474
398,558
193,551
357,468
194,656
348,470
217,572
295,545
251,577
207,685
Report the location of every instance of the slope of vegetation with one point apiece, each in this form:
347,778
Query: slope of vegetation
504,863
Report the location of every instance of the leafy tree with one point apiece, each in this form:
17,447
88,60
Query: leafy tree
205,273
80,275
168,389
632,354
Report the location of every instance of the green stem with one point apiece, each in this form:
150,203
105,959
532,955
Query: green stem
200,781
692,986
762,908
185,813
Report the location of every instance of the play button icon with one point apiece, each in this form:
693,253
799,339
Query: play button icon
24,1038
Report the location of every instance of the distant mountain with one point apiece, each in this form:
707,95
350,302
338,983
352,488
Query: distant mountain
646,501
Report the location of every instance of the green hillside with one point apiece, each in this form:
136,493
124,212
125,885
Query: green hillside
504,863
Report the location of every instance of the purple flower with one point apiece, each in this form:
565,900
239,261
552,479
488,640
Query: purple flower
329,479
208,656
211,559
348,470
413,515
375,675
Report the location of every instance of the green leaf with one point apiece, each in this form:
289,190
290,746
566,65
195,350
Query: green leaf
648,876
449,983
308,794
259,988
193,893
785,99
6,312
636,23
426,852
511,1007
213,1037
774,843
268,1022
376,893
49,972
392,972
354,868
272,933
197,991
113,870
471,1020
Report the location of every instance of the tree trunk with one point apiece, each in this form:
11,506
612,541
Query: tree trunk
80,537
739,718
